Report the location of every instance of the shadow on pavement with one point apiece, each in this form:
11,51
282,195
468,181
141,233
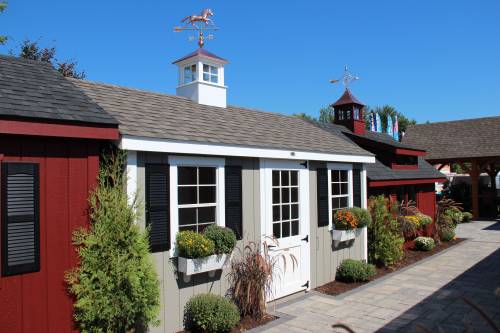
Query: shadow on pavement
446,311
495,226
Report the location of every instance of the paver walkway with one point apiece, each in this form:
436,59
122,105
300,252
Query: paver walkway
429,293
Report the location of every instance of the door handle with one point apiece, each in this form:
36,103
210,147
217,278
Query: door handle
271,246
306,238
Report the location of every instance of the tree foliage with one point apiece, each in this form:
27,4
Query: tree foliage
115,285
33,51
3,6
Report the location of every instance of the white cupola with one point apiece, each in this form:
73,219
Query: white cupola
201,78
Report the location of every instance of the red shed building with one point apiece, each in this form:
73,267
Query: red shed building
400,171
50,137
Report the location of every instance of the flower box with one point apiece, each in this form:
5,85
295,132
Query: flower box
200,265
339,236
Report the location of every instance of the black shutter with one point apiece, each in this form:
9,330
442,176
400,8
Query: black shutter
356,185
322,186
20,218
157,206
233,194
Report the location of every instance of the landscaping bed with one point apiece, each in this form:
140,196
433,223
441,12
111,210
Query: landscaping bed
410,256
247,323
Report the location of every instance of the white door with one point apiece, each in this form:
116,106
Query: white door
285,216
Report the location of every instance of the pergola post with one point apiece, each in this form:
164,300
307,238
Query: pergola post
474,176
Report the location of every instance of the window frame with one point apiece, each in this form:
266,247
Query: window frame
209,73
191,161
350,193
195,73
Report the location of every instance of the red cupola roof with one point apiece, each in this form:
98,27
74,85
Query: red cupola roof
202,53
347,98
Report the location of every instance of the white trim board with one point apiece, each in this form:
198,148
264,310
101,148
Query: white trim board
179,147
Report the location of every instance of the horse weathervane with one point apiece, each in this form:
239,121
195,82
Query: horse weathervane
346,79
199,22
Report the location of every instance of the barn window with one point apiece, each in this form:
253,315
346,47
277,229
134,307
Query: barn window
196,192
20,218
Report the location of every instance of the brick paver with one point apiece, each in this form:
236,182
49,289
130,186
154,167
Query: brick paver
430,293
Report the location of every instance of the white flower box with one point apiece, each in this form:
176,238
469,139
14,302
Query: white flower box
343,235
200,265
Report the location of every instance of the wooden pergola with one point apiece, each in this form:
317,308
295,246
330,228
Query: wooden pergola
474,144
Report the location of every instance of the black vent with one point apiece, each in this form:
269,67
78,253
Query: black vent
356,185
233,196
322,186
20,218
157,206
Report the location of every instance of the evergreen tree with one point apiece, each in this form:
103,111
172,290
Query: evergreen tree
115,285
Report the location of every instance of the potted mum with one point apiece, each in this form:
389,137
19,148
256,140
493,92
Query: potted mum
345,224
207,252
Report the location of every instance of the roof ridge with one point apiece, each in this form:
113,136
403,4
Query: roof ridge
20,59
454,121
111,85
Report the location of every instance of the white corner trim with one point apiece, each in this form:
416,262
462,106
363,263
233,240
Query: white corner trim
131,175
364,204
197,148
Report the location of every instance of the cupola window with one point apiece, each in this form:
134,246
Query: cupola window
210,73
190,73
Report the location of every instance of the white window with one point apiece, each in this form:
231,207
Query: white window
285,204
196,193
340,187
210,73
190,73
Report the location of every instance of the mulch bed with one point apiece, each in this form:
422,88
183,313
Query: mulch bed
410,256
247,323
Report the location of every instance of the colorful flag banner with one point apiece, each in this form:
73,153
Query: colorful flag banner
378,123
389,125
372,122
396,129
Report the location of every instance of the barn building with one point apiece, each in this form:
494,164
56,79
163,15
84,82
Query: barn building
50,137
400,171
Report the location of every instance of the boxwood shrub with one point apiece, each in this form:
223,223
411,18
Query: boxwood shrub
351,270
223,238
424,243
466,217
210,313
363,216
447,234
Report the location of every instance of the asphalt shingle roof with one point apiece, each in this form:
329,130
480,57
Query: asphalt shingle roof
155,115
34,90
478,137
380,171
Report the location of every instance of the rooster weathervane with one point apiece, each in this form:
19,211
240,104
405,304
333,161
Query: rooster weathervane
200,23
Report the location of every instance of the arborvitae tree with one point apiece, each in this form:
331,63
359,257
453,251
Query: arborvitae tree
115,285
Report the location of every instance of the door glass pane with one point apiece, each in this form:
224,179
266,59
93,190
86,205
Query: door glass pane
285,191
276,230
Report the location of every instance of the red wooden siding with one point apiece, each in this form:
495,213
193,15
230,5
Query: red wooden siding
38,302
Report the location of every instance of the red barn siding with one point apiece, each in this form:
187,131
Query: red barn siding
38,302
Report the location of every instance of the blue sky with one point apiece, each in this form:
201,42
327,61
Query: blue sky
432,60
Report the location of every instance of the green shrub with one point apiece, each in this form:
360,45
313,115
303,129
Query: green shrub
424,243
223,238
385,244
447,234
466,217
363,216
455,214
210,313
424,219
354,271
193,245
115,285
